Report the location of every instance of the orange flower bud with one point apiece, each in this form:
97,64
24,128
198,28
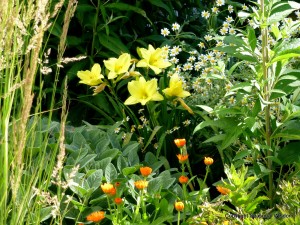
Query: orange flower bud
222,190
182,158
141,184
183,179
180,142
179,206
208,161
108,188
118,201
117,184
96,217
146,171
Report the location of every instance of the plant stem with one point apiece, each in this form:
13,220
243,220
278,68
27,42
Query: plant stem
178,219
267,97
95,28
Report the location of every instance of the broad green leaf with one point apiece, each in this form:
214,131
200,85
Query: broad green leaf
251,206
286,50
160,220
113,44
241,154
132,147
84,161
45,213
246,86
290,153
161,4
150,158
252,38
102,164
127,7
112,153
231,136
129,170
216,138
206,108
224,123
121,163
279,11
110,173
95,179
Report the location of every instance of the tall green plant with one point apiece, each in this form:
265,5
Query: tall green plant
263,109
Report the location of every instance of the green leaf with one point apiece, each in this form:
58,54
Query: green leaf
121,163
129,170
290,153
83,162
112,153
252,38
216,138
224,123
160,220
127,7
161,4
132,147
102,164
286,50
113,44
241,154
279,11
206,108
45,213
95,179
110,173
154,131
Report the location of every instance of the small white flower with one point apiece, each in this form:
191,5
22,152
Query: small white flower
215,10
175,26
205,14
201,45
220,2
208,37
244,7
230,9
165,32
229,19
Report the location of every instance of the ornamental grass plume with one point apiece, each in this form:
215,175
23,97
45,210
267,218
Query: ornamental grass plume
208,161
141,184
182,158
145,171
96,217
222,190
155,59
91,78
180,142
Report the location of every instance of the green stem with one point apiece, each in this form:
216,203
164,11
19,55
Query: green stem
95,28
178,219
267,97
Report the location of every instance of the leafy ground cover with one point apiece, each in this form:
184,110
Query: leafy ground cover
149,112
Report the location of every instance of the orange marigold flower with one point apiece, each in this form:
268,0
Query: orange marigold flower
145,171
183,179
96,217
180,142
179,206
141,184
108,188
182,158
118,201
113,191
223,191
208,161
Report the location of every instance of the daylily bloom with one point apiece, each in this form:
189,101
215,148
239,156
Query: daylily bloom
91,78
143,91
175,88
117,66
153,58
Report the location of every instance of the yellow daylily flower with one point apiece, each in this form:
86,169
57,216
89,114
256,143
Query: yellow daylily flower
175,88
91,78
153,58
117,66
142,91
